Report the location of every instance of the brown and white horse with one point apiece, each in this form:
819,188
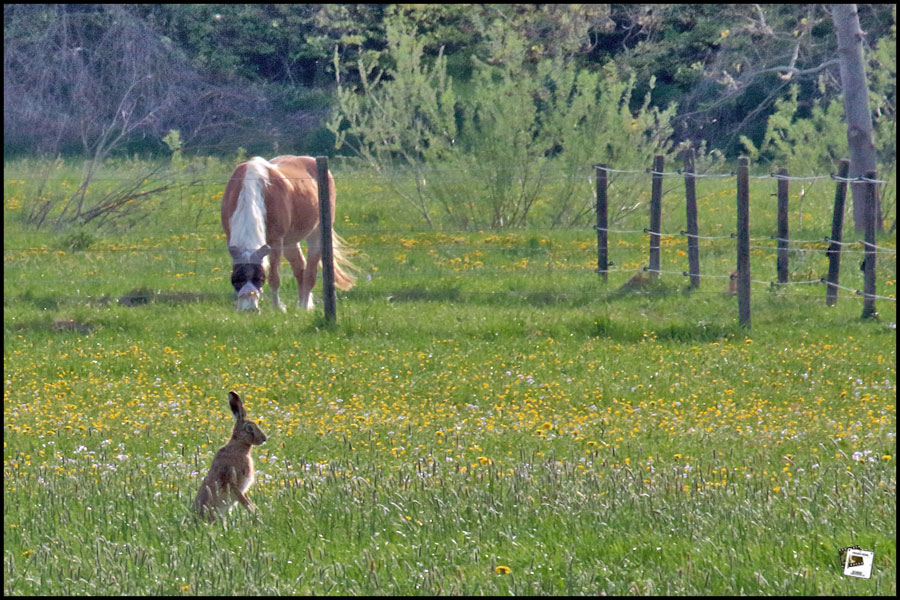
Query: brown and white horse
268,207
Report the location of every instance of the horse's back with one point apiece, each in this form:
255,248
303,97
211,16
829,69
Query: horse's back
302,172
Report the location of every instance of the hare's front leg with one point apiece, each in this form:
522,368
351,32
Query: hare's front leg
243,499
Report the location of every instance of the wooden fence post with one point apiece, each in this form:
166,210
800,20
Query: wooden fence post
743,241
690,193
837,229
325,217
602,222
869,265
655,204
783,232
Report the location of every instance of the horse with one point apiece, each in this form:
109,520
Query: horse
268,208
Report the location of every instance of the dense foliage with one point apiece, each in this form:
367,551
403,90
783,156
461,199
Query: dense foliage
261,75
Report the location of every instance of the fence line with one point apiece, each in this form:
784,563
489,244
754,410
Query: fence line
684,173
657,172
368,172
782,238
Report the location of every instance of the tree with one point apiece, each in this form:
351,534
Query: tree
856,106
98,75
728,64
520,135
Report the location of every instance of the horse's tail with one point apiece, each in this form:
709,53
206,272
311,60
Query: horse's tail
344,270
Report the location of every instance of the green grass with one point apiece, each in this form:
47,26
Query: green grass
482,402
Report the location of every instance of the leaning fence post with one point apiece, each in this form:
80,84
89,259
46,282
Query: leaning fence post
328,299
690,193
869,264
655,203
602,222
782,261
743,241
837,229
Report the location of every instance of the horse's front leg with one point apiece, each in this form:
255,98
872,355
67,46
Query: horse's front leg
298,263
275,274
314,247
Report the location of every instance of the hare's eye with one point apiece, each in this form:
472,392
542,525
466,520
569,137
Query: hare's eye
248,428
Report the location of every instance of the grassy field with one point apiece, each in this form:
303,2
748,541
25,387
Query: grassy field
485,417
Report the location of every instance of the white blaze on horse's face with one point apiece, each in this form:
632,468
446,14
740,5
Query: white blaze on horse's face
248,297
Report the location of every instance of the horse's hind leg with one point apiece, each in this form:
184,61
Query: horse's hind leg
275,275
298,263
314,249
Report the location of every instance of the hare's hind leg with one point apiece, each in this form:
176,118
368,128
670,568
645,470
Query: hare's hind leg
202,503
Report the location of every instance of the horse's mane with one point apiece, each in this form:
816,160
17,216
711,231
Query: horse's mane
248,222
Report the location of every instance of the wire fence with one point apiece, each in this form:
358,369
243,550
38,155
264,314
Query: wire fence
588,175
733,175
550,172
740,280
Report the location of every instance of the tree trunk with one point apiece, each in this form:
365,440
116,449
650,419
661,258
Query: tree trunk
856,107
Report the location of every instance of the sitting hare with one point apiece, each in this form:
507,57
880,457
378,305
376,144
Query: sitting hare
231,472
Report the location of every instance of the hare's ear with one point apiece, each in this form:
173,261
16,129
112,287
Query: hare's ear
237,406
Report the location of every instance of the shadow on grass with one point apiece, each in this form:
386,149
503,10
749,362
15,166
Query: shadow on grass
132,298
140,296
63,325
629,331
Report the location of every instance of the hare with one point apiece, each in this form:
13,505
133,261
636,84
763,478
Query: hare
731,290
231,472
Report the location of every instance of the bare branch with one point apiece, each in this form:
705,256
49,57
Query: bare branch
799,72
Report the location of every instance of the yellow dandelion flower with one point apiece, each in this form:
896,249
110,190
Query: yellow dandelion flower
502,569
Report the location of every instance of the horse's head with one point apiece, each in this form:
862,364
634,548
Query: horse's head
248,276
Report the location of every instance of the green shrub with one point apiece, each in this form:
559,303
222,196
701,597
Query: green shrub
517,137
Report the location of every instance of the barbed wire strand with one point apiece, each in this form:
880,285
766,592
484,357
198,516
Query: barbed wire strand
856,292
865,243
752,239
679,172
